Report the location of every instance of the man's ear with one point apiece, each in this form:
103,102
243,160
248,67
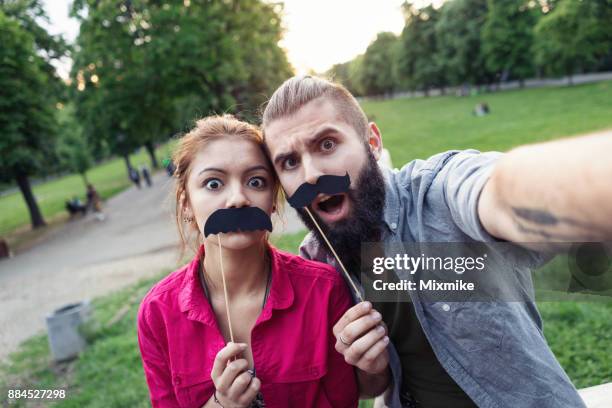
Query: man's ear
374,140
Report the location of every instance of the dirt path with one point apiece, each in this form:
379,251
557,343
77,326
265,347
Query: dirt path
87,258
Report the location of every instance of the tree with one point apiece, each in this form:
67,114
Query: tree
418,47
459,46
378,69
72,149
27,118
507,38
574,36
144,69
29,14
348,74
263,64
119,97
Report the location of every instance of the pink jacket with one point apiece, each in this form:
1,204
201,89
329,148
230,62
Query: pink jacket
292,340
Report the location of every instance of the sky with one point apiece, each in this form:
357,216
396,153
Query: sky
318,33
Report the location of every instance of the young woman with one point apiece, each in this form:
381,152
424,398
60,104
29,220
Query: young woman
282,307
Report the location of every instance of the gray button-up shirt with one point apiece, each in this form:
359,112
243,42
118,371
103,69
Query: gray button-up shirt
495,351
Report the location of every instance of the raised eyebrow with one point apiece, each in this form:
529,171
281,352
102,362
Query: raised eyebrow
326,131
282,156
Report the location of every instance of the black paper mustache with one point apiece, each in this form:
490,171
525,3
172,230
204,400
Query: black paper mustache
237,219
326,184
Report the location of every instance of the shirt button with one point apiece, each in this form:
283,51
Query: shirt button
445,307
393,225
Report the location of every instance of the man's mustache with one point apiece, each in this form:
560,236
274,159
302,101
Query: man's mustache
237,219
326,184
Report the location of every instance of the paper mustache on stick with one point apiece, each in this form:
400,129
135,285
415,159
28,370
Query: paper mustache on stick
326,184
234,220
304,196
237,219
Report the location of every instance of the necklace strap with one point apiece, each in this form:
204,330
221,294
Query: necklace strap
268,266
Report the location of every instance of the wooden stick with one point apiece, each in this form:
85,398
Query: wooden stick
335,255
229,319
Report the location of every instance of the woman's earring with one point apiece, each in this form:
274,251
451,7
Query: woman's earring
188,220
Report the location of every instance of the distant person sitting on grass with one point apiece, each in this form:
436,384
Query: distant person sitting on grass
282,307
75,206
481,109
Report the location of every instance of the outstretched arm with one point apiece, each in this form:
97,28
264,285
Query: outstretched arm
559,191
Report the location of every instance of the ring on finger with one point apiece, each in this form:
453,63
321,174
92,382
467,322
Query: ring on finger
346,343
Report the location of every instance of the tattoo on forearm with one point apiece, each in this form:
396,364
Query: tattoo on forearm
545,234
543,217
536,216
543,221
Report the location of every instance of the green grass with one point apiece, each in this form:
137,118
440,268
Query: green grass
419,128
109,178
107,374
288,242
580,335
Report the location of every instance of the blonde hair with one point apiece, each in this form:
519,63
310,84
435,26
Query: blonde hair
299,90
206,129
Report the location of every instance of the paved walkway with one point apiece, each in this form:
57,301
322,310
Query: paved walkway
87,258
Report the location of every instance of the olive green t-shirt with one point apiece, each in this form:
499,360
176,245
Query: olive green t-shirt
423,377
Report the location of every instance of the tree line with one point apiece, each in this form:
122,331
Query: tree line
142,71
483,42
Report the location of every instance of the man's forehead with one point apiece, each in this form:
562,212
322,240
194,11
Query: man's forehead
303,124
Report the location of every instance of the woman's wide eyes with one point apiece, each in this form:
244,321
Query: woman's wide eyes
257,182
213,184
254,182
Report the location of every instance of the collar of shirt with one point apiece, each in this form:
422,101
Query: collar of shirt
392,201
192,299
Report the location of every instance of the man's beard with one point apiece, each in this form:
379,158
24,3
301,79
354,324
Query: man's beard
364,222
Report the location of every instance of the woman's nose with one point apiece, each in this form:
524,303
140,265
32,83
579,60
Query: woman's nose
238,198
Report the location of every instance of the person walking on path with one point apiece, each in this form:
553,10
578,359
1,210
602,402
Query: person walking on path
134,176
146,175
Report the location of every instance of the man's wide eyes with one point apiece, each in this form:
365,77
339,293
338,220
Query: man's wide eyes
328,144
289,163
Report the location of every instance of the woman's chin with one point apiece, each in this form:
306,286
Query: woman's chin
240,240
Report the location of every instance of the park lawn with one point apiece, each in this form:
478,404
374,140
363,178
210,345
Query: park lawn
109,372
420,127
109,178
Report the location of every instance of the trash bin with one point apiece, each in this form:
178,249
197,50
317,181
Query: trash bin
63,324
